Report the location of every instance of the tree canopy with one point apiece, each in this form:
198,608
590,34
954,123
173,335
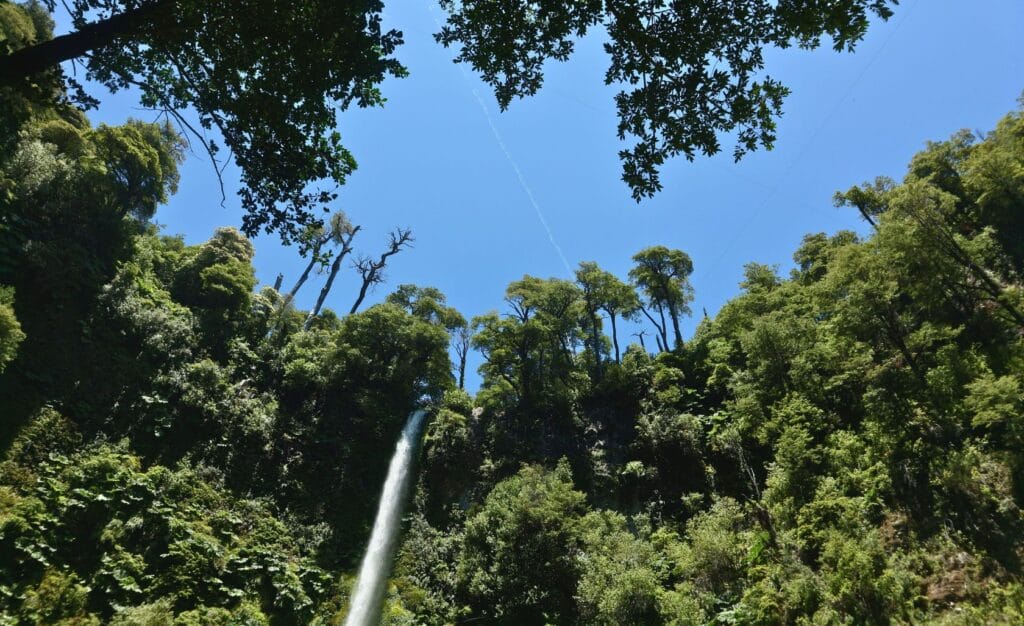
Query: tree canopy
690,72
272,78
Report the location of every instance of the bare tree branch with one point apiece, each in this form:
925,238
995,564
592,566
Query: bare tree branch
372,271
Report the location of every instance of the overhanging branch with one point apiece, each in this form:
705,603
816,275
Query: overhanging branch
29,61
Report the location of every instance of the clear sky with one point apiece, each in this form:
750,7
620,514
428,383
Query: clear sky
430,160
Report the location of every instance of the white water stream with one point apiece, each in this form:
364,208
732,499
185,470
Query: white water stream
364,610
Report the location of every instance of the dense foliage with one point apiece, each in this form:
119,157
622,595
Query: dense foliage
271,78
842,444
688,73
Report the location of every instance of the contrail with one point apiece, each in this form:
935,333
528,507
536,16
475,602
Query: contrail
508,156
522,179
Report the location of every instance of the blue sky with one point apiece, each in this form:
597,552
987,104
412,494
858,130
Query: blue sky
431,161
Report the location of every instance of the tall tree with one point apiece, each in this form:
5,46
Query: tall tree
534,346
557,304
640,335
426,303
429,304
591,281
620,301
461,343
610,295
664,277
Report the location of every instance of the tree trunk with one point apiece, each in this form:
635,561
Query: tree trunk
595,334
867,217
461,351
303,277
659,328
362,292
663,329
370,270
674,314
524,375
615,338
346,247
323,292
26,62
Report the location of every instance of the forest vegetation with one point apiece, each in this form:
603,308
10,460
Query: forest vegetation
842,444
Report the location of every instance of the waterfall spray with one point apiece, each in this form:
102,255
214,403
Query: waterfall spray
364,609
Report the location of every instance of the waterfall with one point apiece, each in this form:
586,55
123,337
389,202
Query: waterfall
365,606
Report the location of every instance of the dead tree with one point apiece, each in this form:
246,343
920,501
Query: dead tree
640,335
372,272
